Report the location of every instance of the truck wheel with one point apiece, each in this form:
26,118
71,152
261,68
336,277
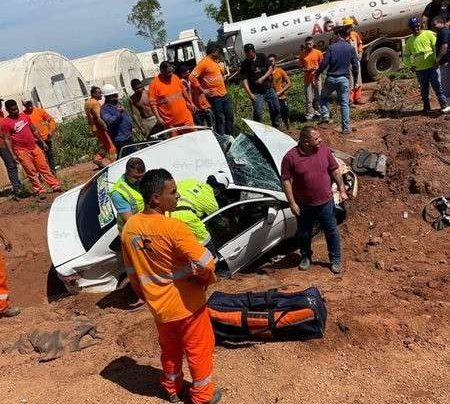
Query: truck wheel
382,60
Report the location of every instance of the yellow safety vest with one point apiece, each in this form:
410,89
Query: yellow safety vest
196,201
131,195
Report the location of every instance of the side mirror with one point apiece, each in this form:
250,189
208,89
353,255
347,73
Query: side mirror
271,215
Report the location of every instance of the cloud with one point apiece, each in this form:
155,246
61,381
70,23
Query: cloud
78,28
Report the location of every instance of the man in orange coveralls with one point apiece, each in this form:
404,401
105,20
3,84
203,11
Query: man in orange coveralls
6,310
170,270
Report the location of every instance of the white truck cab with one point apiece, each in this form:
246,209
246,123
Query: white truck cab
187,50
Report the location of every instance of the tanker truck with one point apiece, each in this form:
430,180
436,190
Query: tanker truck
383,25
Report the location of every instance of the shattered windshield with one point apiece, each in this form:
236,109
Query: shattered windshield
251,164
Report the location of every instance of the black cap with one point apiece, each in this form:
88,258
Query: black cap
248,47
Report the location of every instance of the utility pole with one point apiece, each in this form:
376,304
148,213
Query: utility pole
230,16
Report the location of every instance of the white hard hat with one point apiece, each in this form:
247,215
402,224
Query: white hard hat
109,89
219,178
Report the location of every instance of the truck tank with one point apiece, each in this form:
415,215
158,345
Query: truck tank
284,34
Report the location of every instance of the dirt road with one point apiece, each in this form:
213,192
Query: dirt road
387,333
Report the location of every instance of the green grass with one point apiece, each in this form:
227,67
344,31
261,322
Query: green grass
73,142
243,106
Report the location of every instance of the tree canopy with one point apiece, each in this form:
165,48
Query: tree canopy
146,16
245,9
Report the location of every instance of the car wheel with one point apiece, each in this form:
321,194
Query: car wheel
55,286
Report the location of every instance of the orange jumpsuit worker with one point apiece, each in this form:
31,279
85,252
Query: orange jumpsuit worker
98,127
20,140
356,41
6,310
46,126
170,270
168,99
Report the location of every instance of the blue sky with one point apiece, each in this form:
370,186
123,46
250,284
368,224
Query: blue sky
78,28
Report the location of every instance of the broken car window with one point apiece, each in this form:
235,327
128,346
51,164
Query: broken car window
251,164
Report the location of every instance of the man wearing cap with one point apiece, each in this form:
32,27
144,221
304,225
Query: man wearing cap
354,39
46,126
119,123
420,56
256,74
98,127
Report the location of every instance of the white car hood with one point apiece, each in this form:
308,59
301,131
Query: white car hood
64,243
276,142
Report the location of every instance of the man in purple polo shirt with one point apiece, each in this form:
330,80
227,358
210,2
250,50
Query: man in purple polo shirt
307,172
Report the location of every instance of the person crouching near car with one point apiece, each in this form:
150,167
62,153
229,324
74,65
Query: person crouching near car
307,172
170,270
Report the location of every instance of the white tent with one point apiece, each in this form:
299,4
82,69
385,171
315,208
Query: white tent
48,78
116,67
151,61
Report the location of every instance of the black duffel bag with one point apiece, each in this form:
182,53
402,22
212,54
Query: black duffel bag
268,315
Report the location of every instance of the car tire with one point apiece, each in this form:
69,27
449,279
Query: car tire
55,286
381,61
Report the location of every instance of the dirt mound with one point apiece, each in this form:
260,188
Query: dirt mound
387,330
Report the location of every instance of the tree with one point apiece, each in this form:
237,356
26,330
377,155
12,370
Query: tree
244,9
146,16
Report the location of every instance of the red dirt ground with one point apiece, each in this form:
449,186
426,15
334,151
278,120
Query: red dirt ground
387,332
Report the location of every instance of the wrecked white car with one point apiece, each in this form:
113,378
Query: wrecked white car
82,232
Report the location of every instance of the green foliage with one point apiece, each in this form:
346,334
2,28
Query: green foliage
146,16
245,9
73,142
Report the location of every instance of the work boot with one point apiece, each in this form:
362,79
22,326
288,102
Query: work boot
11,311
445,109
174,398
336,268
305,263
216,397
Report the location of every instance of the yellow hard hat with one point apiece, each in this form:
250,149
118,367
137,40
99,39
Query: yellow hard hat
347,21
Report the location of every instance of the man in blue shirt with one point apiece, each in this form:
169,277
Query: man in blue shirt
119,123
443,54
337,61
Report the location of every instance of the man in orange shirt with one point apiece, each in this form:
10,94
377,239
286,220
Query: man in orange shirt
354,38
46,126
309,61
170,270
202,114
209,77
98,127
168,99
281,83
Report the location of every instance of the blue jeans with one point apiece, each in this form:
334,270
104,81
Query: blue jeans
326,216
128,150
222,109
270,96
425,78
342,87
204,118
11,168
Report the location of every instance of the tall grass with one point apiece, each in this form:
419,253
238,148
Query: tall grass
74,142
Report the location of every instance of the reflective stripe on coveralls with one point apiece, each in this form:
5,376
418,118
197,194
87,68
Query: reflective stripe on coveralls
181,273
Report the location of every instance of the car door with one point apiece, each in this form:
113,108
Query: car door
244,230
